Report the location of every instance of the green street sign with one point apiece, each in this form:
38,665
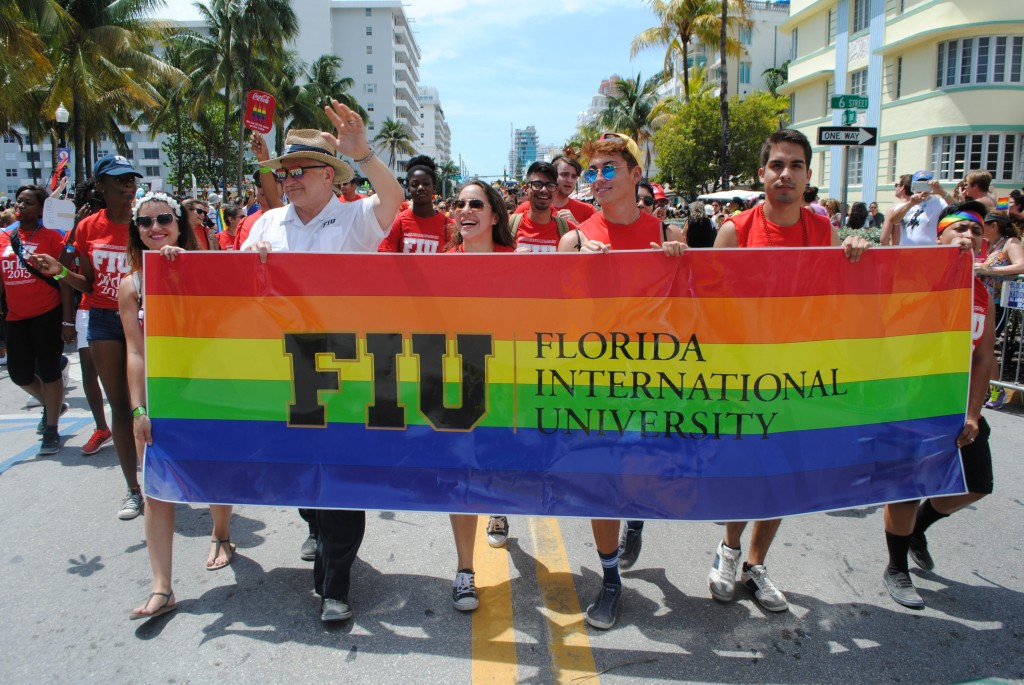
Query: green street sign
849,102
849,117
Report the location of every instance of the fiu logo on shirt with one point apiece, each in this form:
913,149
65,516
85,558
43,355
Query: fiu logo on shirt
311,381
327,223
11,265
420,245
109,265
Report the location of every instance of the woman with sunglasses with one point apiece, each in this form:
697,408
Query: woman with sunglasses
482,226
101,243
233,215
421,228
34,311
157,224
198,214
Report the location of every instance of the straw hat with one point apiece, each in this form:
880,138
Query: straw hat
307,143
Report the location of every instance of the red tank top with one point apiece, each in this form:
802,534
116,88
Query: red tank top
754,230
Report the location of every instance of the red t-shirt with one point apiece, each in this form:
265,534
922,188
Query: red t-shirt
635,236
539,237
980,313
411,233
341,198
497,248
243,228
753,230
581,211
105,244
200,231
85,302
28,295
226,240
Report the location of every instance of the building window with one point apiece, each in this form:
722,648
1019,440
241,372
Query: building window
11,190
859,82
369,49
794,53
369,12
32,156
861,15
371,87
369,68
372,126
985,59
855,165
830,88
369,30
899,78
744,73
999,153
745,35
369,106
151,154
130,154
12,173
830,36
792,108
152,171
9,138
892,163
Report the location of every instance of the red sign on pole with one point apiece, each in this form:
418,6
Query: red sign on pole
259,111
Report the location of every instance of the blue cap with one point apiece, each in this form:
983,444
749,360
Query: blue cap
922,176
113,165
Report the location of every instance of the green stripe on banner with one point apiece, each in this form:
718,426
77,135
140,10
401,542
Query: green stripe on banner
823,406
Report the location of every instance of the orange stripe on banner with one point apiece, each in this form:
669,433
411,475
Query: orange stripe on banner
726,321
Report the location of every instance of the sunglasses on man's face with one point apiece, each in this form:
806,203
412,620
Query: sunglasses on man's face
647,200
607,171
473,204
297,172
165,219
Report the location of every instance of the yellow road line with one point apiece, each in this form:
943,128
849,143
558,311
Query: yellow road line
494,640
569,646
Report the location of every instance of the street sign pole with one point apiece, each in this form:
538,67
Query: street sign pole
845,186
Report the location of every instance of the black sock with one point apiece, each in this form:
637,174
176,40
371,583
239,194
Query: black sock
610,566
899,546
635,525
926,516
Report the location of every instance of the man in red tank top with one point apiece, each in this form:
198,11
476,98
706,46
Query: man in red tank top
780,221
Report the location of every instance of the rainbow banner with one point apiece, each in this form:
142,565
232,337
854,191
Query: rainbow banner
723,385
1003,204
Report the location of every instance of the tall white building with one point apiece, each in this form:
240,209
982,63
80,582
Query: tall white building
375,42
523,152
435,135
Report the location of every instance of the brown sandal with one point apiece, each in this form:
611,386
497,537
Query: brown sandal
163,609
214,566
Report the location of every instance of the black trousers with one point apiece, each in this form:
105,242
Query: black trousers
340,535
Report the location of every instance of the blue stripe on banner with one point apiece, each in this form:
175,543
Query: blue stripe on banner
263,463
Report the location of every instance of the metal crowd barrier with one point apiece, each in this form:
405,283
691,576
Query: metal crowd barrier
1010,337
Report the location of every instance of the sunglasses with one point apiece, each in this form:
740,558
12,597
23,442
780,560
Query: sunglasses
297,172
473,204
647,200
607,172
200,212
541,185
165,219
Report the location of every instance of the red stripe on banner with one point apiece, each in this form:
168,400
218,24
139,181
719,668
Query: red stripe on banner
723,273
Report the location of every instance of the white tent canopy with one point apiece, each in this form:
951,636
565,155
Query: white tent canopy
727,195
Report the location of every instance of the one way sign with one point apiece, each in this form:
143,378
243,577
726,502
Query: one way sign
847,135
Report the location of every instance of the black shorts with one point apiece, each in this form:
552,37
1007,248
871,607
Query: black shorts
977,460
34,347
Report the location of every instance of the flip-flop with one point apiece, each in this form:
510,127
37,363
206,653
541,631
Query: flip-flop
231,554
164,608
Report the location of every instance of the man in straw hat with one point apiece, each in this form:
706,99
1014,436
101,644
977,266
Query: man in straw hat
315,221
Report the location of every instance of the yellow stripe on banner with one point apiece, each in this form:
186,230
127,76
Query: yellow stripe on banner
494,639
866,360
571,658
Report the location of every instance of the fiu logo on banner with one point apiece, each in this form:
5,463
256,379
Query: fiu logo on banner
310,382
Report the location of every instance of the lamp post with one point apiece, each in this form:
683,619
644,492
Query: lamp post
63,153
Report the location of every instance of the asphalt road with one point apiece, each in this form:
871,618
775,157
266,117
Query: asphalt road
71,571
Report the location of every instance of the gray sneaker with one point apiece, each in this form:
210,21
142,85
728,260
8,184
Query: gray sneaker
767,595
630,545
722,579
919,552
332,610
497,531
464,596
605,609
901,588
51,442
308,550
131,506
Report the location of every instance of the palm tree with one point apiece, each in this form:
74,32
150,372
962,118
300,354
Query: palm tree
24,57
448,171
103,61
776,77
324,83
394,137
171,117
681,23
629,108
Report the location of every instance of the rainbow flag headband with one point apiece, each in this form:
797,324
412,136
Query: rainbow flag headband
957,217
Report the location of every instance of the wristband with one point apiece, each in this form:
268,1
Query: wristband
139,411
266,170
62,274
68,323
369,155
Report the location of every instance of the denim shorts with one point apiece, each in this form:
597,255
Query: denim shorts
105,324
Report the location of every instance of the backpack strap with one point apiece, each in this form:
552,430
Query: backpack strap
137,282
15,239
513,224
563,226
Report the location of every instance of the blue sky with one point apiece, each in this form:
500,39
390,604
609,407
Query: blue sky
498,65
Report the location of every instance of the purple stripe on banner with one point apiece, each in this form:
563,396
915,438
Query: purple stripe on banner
807,471
551,494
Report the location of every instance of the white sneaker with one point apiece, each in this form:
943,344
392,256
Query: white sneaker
767,595
722,579
464,596
497,531
131,506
